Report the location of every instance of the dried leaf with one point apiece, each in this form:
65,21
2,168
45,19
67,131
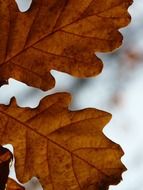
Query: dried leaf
61,35
63,149
5,158
13,185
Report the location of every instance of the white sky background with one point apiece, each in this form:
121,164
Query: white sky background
126,126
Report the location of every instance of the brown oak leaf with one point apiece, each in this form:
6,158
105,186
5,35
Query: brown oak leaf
65,150
5,158
61,35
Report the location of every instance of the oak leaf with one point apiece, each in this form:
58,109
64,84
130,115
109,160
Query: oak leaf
61,35
65,150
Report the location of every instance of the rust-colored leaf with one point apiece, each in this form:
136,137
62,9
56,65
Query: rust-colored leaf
5,158
13,185
58,34
66,150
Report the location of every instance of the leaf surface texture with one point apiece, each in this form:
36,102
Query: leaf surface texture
61,35
64,149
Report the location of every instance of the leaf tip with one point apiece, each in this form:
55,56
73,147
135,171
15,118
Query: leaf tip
13,101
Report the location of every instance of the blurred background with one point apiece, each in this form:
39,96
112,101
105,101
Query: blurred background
118,90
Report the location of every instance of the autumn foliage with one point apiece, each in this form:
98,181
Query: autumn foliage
65,150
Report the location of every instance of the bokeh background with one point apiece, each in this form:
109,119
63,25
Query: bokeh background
118,90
